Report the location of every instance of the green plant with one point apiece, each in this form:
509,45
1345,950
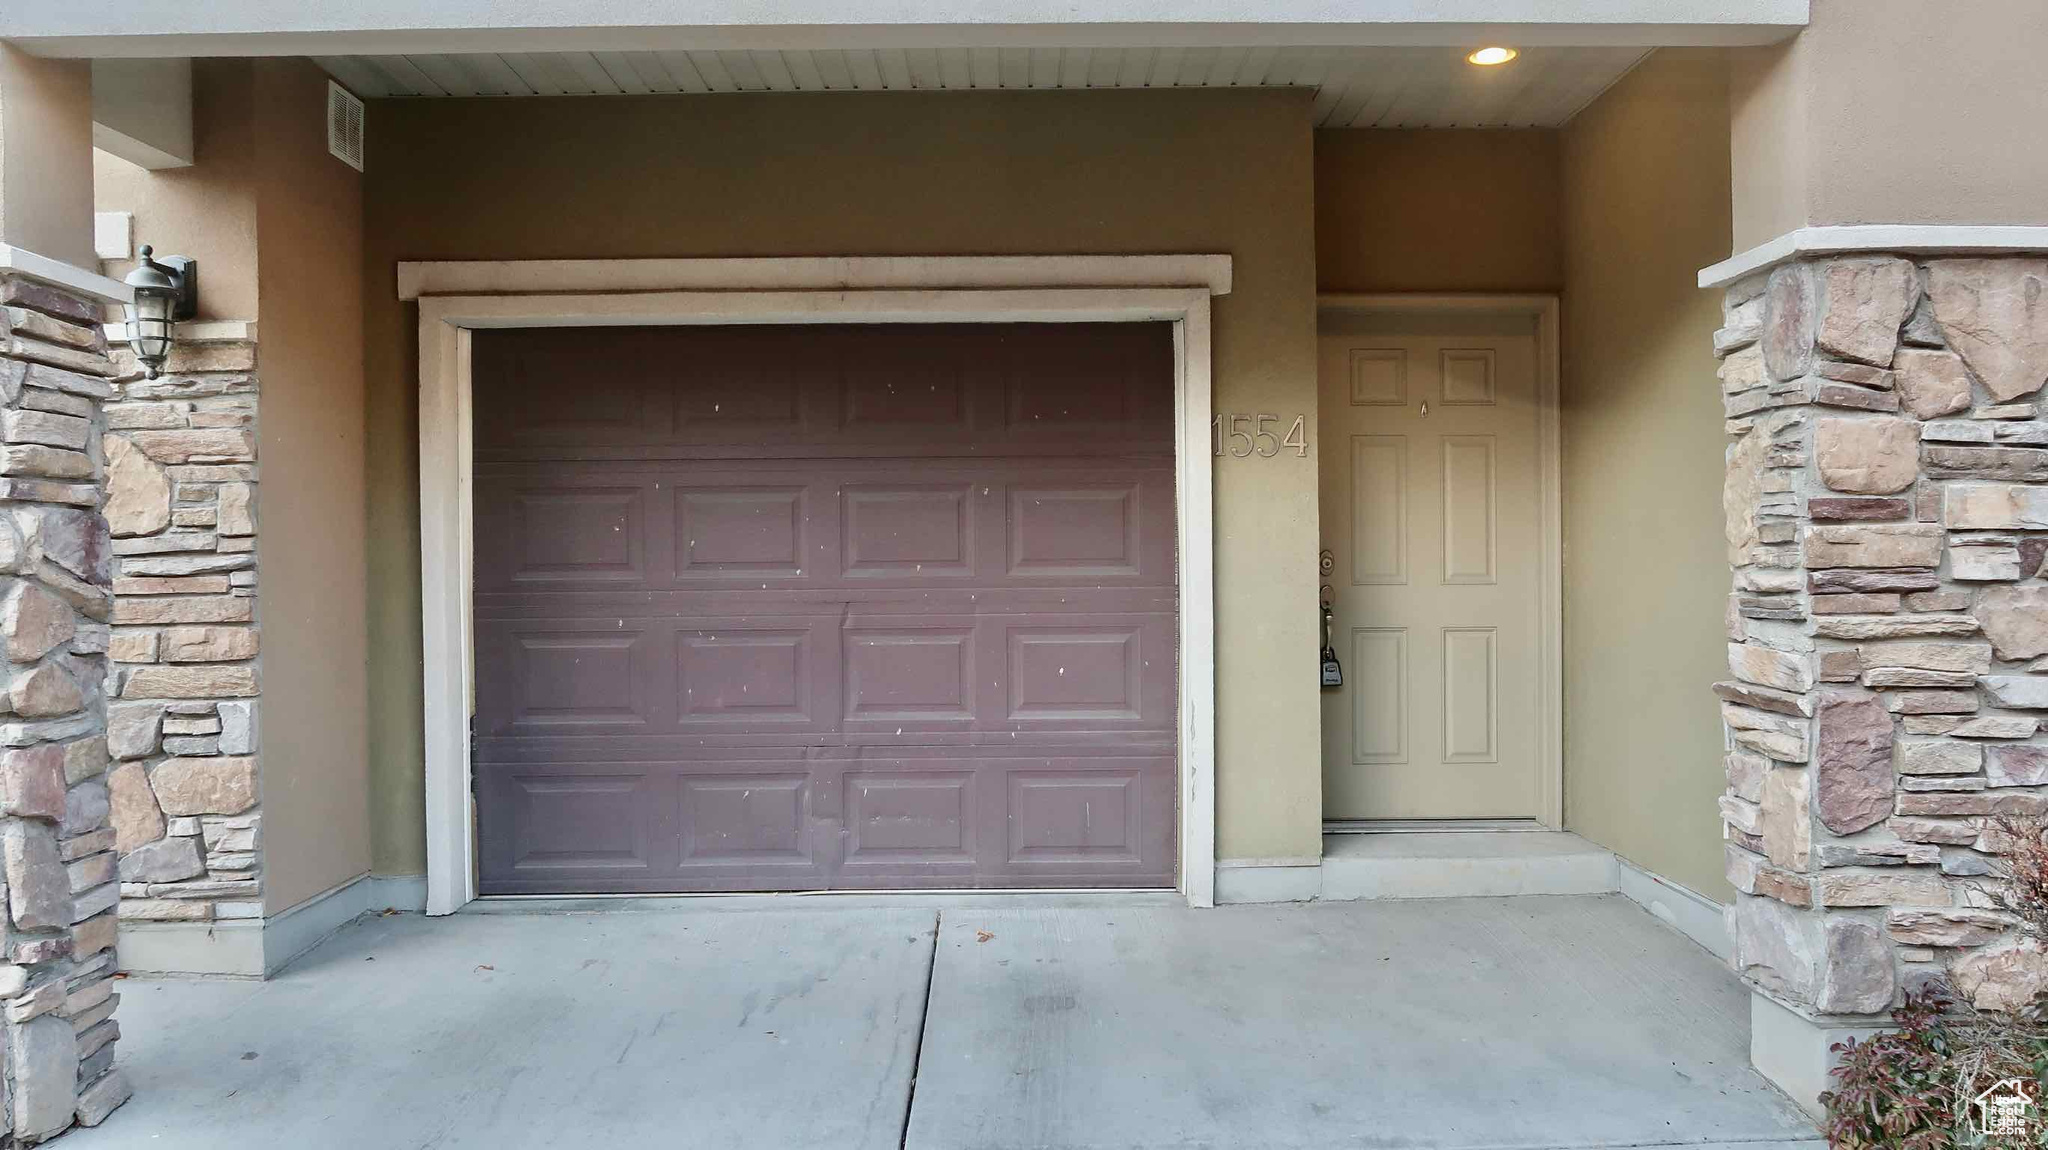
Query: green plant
1896,1090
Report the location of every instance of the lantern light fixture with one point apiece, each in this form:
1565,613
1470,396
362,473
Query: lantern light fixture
166,293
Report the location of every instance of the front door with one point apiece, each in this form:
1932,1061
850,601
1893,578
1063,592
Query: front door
1432,532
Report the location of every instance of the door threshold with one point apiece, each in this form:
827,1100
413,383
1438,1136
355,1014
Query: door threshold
1426,826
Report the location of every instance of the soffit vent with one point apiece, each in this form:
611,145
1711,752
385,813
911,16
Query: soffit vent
344,126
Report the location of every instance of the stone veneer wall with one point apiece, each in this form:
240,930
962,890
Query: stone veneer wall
56,849
181,475
1887,520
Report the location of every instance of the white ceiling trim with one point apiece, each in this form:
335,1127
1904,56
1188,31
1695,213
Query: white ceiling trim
404,27
1355,87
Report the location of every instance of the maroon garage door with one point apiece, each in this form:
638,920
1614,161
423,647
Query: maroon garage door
787,608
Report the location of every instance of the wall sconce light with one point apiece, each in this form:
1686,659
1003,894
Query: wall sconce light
166,292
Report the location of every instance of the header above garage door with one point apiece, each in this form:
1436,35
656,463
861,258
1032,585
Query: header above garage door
382,27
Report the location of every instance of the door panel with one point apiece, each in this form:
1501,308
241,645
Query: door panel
1431,517
797,608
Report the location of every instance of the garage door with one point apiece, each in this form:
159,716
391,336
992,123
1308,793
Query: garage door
793,608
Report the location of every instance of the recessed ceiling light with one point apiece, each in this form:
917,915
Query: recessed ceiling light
1487,57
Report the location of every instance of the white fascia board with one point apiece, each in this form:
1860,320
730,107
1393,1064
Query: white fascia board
384,27
1916,239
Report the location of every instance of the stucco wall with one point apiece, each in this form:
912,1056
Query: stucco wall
887,173
1883,112
1645,178
1438,211
311,538
206,211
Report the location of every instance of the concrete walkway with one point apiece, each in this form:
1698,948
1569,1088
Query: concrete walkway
1100,1022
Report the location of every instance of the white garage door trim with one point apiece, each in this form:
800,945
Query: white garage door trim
446,495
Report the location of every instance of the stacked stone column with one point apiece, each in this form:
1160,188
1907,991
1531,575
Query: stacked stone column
55,603
1887,522
181,458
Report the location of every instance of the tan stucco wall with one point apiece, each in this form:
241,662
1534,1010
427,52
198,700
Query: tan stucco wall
1893,111
45,142
311,538
276,225
951,173
207,211
1438,211
1645,205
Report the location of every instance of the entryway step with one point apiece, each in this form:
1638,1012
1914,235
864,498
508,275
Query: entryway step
1463,864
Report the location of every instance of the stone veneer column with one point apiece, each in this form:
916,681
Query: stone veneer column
181,476
1887,521
55,844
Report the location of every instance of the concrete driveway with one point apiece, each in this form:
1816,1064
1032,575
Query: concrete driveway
1100,1022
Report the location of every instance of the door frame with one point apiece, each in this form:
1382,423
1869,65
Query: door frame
1542,310
457,298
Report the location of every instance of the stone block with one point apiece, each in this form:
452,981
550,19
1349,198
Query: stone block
43,1055
1856,603
2015,619
1791,315
2000,802
1786,823
1877,853
1874,545
32,782
237,509
138,490
190,682
165,860
237,728
1940,758
1931,383
1777,736
1916,927
1745,774
86,807
2008,464
44,691
183,609
136,818
2016,765
1931,702
1853,508
1972,658
1946,832
222,785
95,934
38,890
1862,627
1849,888
1852,763
208,644
1864,301
1994,313
1997,727
102,1097
1775,945
1768,667
2020,692
1856,969
1983,562
34,621
1874,456
134,729
2006,976
1994,507
196,445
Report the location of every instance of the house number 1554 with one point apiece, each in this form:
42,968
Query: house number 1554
1239,435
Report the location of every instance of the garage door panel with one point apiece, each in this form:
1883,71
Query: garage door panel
803,608
578,824
552,677
755,674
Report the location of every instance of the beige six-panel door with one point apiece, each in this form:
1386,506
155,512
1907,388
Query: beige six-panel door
1431,521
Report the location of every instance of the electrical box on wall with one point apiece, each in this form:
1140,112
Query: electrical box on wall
344,126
